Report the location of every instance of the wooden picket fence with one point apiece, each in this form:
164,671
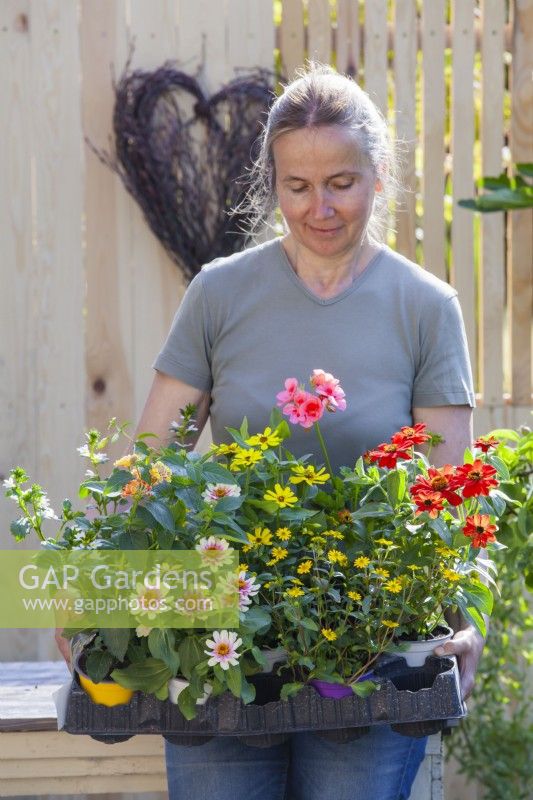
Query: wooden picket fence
88,293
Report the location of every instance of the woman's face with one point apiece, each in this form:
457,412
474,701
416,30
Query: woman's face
325,188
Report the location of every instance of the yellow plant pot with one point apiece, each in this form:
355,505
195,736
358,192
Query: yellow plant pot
105,693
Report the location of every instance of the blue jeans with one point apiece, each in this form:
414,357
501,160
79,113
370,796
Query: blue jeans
381,765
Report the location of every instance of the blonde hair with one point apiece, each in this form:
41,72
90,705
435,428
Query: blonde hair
320,96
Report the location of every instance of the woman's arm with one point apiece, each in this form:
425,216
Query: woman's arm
454,423
167,395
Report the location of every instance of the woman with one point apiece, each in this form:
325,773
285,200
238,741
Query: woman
328,295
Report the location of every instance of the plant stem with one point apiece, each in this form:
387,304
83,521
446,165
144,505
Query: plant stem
324,451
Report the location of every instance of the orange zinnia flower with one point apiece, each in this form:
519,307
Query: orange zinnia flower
479,529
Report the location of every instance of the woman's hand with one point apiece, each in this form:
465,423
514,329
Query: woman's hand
63,646
467,645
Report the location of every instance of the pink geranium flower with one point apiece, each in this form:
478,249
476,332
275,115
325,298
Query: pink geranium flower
310,411
328,389
291,387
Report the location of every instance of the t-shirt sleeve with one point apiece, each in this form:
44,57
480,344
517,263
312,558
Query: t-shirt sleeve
444,375
186,354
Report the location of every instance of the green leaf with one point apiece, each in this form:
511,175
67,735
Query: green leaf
21,528
471,614
187,703
255,620
247,692
97,665
161,643
161,513
364,688
244,429
147,676
525,168
441,529
259,657
234,680
116,481
395,484
289,689
480,596
309,623
116,640
499,465
373,510
134,540
226,504
190,652
216,473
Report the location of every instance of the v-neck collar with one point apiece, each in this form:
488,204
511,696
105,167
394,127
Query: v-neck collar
327,301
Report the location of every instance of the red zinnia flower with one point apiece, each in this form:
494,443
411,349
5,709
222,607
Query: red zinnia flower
476,478
485,443
409,436
388,453
479,529
442,480
431,502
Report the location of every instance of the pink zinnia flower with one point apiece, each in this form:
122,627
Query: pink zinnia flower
214,551
215,491
291,386
223,649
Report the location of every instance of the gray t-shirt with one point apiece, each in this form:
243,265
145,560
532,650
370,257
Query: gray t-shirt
395,339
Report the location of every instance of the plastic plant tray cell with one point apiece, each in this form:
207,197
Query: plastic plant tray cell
415,701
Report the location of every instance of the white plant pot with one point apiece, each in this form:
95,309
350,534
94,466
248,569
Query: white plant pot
273,656
416,652
177,685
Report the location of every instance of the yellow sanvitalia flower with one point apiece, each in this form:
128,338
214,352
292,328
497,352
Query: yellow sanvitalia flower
361,562
308,474
277,554
385,542
390,624
296,581
394,585
264,440
295,592
384,573
319,541
304,567
328,634
259,537
451,575
355,596
334,534
414,567
284,534
337,557
282,496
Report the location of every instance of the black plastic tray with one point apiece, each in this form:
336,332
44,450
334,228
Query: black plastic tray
414,701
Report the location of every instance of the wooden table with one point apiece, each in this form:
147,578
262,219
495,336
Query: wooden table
36,759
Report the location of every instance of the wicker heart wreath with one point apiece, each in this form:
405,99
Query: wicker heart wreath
183,155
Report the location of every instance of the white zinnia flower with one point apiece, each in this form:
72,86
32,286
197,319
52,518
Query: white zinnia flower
216,491
214,551
223,649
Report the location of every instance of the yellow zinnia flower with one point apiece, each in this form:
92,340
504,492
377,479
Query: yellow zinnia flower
308,474
259,537
334,534
284,534
245,458
304,567
328,634
283,497
361,562
226,449
394,585
390,624
451,575
264,440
